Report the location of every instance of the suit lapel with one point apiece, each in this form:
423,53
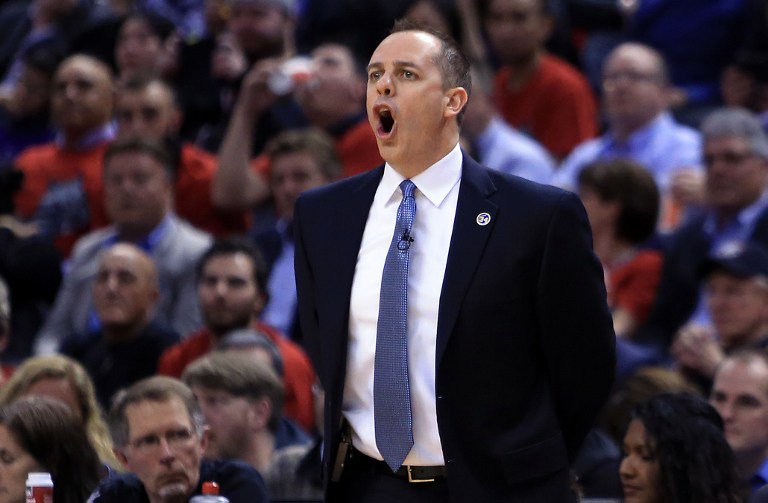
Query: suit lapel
347,231
467,244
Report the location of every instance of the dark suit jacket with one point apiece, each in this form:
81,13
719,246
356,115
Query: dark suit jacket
525,345
678,293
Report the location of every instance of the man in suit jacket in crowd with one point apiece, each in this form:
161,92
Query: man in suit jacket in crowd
471,348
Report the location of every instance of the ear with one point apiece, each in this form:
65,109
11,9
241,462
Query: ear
260,411
204,437
455,100
120,455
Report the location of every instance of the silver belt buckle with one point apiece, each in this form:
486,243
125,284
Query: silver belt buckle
413,480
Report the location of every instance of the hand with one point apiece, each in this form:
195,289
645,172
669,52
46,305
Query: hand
255,96
688,187
695,347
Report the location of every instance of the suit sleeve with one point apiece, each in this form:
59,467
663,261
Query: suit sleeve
305,289
576,326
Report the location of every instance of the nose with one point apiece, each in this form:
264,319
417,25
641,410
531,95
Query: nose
626,469
166,454
725,409
384,85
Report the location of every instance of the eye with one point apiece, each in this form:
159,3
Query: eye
408,74
374,76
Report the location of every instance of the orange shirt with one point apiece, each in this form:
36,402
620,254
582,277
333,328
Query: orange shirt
193,194
298,373
357,149
48,164
555,106
633,285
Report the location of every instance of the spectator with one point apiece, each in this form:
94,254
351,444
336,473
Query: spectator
67,381
25,109
636,96
735,155
536,92
740,395
231,286
675,452
299,160
130,342
622,203
332,100
148,109
159,435
139,46
39,434
736,292
62,188
241,400
498,145
138,195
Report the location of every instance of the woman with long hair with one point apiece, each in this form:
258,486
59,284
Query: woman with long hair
39,434
675,452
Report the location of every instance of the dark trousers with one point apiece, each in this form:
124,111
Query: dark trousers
361,484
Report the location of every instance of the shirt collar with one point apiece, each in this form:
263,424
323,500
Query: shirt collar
103,134
435,182
148,242
760,478
745,217
643,136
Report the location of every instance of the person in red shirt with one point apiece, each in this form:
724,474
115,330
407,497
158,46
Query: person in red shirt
536,92
231,286
62,188
148,108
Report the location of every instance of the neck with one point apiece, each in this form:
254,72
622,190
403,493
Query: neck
750,339
749,462
260,451
523,69
122,334
134,234
611,250
414,166
623,129
220,332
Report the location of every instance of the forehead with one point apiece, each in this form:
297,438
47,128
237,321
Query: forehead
294,162
153,95
407,46
121,260
138,25
133,162
725,144
333,53
82,69
633,57
743,377
232,264
151,415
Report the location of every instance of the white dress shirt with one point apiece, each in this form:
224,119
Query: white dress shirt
437,192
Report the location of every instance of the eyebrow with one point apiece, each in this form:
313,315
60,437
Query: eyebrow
398,64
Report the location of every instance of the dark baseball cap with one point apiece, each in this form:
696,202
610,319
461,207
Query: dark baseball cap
743,260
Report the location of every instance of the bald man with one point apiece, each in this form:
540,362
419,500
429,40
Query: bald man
62,190
129,343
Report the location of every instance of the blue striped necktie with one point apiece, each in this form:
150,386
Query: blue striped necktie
391,390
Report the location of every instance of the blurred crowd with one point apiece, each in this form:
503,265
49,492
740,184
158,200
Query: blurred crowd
151,152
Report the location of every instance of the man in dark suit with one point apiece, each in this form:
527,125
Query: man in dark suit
471,349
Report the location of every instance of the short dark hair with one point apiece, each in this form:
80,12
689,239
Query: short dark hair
633,187
48,431
139,83
231,246
155,149
151,389
453,63
312,141
685,433
241,376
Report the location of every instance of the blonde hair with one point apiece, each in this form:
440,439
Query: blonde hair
62,367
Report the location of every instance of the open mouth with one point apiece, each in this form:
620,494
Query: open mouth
386,120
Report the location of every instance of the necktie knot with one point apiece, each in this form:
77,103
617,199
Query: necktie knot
407,187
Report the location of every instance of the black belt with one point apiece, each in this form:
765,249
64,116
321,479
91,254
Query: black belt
413,474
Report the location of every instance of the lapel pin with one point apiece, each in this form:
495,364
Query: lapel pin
483,219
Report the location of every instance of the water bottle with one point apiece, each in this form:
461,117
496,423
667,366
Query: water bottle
210,494
39,487
291,73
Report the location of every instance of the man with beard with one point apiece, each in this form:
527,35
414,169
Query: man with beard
158,432
231,288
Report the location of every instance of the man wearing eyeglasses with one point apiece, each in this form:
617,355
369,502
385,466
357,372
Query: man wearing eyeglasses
636,96
736,212
159,437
